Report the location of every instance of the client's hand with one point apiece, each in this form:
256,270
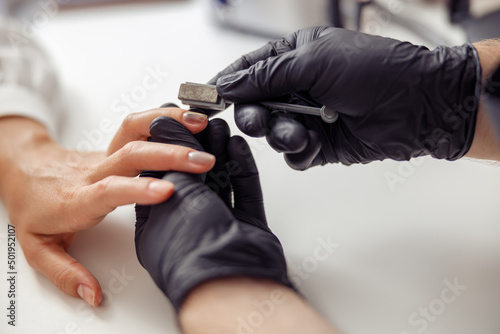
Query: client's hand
51,193
198,234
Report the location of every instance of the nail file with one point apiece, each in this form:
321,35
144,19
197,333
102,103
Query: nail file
206,97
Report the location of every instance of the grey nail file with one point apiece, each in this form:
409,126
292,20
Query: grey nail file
206,97
201,96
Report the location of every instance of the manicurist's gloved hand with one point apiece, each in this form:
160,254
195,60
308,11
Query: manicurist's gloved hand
199,235
395,100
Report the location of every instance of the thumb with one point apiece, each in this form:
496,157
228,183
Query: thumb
291,72
48,255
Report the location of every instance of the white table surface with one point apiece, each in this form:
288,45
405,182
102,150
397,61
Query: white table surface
397,247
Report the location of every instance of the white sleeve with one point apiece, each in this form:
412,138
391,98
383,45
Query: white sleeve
28,82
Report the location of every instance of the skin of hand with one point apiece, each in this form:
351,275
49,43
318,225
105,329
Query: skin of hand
485,144
396,100
50,196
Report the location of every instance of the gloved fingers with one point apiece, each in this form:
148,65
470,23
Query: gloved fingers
214,140
291,72
307,158
246,61
245,179
48,255
307,35
138,156
287,135
167,130
169,105
252,119
136,126
272,49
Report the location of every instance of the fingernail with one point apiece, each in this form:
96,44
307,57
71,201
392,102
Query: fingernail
200,158
194,117
160,187
86,294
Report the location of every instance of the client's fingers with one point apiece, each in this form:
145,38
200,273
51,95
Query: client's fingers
138,156
90,204
97,200
47,254
136,126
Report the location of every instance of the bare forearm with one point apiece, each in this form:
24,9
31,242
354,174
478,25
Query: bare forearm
243,305
486,143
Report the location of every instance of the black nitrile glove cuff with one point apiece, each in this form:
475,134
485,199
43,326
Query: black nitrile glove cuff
195,236
459,121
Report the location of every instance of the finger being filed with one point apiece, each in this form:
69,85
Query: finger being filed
138,156
287,135
253,120
245,178
305,159
95,201
136,126
47,256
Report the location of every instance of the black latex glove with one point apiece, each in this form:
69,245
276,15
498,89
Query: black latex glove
395,100
197,235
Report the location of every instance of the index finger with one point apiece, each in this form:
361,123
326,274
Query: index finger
272,49
135,127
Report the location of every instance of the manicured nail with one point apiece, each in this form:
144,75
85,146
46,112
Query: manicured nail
194,117
86,294
200,158
160,187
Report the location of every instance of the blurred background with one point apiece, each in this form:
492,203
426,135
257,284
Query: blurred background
280,17
403,232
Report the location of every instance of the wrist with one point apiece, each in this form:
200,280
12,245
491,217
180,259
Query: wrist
24,144
485,144
488,52
18,132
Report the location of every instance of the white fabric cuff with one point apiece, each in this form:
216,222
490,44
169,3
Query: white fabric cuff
20,101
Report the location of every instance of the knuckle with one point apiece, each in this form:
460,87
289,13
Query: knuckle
103,186
128,150
176,154
129,121
62,275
